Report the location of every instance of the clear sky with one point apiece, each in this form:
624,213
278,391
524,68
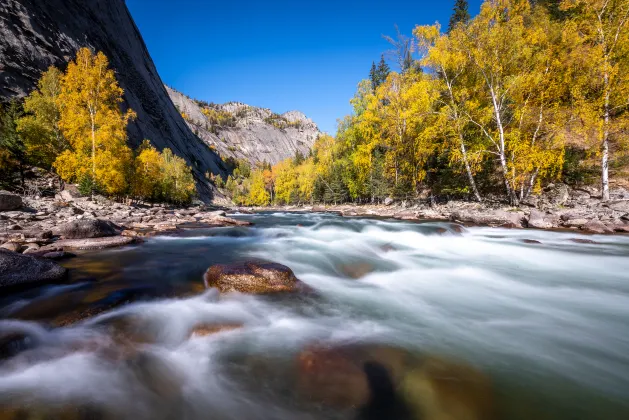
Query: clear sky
307,55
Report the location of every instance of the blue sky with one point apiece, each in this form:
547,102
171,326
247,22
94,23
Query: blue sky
278,54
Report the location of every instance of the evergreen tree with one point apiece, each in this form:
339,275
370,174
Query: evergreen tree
460,14
382,71
373,75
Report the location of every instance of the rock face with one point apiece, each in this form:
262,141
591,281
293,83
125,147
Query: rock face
9,201
256,278
18,270
92,228
251,133
36,34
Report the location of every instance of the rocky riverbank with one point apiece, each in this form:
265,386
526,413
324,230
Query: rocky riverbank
53,228
559,207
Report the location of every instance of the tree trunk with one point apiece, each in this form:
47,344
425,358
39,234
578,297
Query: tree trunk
605,146
93,153
513,199
468,169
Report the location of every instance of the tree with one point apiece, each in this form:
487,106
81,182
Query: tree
285,182
373,75
382,71
499,47
599,35
460,14
258,195
40,127
177,180
402,51
148,177
450,65
94,125
379,74
11,142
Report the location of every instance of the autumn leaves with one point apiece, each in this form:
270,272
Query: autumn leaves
74,124
497,102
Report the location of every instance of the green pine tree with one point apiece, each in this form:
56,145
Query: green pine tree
373,75
381,72
460,14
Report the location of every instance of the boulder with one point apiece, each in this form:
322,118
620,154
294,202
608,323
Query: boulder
89,244
9,201
11,246
70,193
575,222
596,226
226,221
88,228
18,270
558,195
540,220
388,201
251,277
489,217
621,206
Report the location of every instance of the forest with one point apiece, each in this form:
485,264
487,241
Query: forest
492,107
73,124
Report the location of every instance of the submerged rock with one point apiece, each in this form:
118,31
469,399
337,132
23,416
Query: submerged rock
9,201
256,278
386,382
18,270
356,270
89,228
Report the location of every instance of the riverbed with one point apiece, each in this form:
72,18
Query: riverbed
543,316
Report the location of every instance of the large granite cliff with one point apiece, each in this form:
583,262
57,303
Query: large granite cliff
35,34
247,132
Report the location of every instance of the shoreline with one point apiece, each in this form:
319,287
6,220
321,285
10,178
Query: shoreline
608,218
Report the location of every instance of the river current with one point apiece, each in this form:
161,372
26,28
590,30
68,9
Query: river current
544,316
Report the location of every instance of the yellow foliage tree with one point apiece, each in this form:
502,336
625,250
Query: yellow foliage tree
94,125
598,36
149,165
258,195
40,128
285,182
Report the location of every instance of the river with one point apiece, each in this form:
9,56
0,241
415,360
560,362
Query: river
544,318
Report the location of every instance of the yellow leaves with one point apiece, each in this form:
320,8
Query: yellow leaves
39,128
93,124
285,181
258,195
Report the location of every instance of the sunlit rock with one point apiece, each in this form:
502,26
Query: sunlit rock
256,278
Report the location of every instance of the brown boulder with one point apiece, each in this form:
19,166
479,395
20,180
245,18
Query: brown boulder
9,201
87,228
256,278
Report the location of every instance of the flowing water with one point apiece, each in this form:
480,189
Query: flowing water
543,317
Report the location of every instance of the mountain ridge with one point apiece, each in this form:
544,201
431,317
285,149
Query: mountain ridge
241,131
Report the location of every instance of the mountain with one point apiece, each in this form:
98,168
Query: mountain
242,131
35,34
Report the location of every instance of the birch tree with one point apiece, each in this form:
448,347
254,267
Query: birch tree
92,121
599,34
